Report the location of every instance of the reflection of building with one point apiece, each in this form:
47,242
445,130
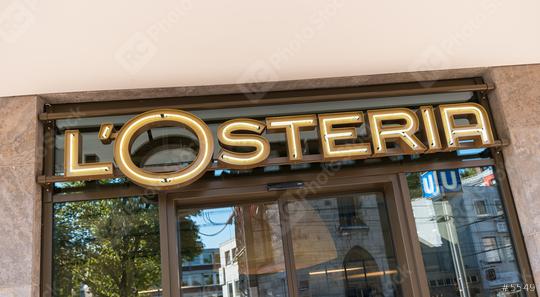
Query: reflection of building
200,277
258,252
229,276
468,225
343,246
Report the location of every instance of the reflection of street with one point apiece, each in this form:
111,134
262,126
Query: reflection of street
341,245
466,244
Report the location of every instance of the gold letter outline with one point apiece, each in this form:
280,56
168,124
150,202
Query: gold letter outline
227,137
72,166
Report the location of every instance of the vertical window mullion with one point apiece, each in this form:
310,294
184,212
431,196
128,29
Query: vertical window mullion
416,264
164,247
172,242
288,252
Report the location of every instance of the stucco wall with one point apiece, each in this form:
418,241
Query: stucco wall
516,107
99,45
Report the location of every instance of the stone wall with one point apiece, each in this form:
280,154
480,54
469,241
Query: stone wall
516,108
20,196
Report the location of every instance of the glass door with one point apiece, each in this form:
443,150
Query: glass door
344,238
234,250
342,245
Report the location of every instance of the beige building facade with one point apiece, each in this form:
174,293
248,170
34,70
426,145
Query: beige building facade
515,104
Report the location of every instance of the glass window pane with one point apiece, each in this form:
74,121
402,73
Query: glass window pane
107,248
491,249
462,229
343,246
246,243
480,207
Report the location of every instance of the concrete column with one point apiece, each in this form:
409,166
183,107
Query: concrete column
516,108
20,196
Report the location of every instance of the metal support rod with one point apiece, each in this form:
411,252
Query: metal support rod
125,107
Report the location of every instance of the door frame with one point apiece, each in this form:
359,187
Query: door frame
412,278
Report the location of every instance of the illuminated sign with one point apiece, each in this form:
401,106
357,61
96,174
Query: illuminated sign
394,131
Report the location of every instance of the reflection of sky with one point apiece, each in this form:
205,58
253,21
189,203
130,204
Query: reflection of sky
470,152
212,228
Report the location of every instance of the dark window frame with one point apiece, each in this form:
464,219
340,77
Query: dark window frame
478,210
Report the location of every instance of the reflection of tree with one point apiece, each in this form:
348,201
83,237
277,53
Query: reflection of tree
190,243
468,172
110,245
413,182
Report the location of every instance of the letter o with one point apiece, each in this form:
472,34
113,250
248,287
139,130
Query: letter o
158,118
